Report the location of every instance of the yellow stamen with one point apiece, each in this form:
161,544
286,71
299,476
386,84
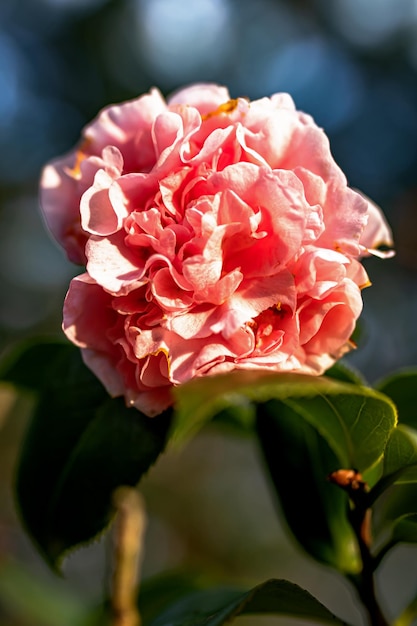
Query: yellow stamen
80,155
226,107
165,352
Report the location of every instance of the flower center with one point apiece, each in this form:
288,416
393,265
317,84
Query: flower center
226,107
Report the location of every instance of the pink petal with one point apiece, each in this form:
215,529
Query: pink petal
166,129
376,233
113,265
128,126
98,215
205,97
168,293
59,201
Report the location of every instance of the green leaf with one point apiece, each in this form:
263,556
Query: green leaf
80,446
399,464
400,459
402,389
308,427
356,421
30,363
159,592
238,419
397,512
395,516
299,461
219,606
405,529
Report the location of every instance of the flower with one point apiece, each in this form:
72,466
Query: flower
218,234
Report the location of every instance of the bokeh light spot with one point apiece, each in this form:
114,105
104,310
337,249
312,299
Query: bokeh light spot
370,23
175,45
11,67
321,78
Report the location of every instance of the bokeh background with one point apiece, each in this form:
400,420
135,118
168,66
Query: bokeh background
352,64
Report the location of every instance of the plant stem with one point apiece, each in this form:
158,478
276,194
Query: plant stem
360,519
128,541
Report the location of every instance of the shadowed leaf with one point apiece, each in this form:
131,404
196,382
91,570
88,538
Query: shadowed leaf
219,606
299,461
402,389
80,446
400,459
405,529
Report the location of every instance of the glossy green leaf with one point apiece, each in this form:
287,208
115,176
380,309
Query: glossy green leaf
395,515
402,389
299,461
405,529
356,421
308,427
219,606
395,518
399,468
80,446
400,458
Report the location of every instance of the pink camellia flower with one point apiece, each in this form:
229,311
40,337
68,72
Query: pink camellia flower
217,235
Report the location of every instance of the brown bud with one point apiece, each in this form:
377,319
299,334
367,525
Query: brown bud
348,479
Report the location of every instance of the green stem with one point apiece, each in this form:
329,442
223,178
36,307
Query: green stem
365,583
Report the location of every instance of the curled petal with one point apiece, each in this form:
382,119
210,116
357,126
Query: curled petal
59,198
112,265
205,97
98,214
376,233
